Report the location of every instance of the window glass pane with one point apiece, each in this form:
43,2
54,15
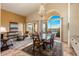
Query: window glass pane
29,27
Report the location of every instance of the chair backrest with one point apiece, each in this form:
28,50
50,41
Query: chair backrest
36,39
52,38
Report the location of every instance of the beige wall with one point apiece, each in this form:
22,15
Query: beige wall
74,21
54,9
7,17
0,14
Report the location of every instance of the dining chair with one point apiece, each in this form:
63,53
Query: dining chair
50,41
37,44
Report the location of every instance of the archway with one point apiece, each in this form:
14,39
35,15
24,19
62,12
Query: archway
44,23
56,14
54,25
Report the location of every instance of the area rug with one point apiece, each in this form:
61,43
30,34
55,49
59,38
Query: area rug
55,51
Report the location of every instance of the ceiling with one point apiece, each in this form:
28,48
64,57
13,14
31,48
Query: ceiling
21,8
26,9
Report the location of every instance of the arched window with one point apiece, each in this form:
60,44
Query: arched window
54,23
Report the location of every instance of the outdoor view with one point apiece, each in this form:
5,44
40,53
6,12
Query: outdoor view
54,25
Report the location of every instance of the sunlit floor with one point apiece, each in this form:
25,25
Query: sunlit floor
18,52
67,51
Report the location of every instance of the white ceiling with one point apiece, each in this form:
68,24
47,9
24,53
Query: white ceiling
21,8
26,9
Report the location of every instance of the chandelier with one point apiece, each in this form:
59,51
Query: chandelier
42,10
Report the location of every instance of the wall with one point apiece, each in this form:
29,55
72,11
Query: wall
74,19
54,9
0,14
7,17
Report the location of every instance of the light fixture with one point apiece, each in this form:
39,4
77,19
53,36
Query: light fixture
2,30
42,10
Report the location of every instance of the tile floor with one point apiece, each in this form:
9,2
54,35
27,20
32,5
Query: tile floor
67,51
17,52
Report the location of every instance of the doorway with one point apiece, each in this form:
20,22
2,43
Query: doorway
54,25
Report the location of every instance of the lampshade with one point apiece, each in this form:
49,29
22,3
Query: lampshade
2,29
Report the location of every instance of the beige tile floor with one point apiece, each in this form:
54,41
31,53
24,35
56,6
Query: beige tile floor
67,51
17,52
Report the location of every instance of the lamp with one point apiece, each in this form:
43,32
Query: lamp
2,30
